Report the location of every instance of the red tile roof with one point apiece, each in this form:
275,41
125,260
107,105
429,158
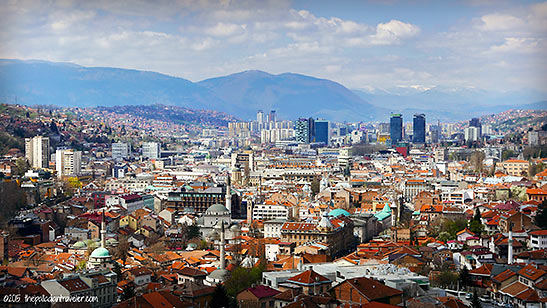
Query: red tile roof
262,291
308,277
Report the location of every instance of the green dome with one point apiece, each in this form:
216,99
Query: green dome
216,208
100,253
386,209
79,245
338,212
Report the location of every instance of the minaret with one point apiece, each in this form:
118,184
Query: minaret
103,232
222,243
510,242
229,195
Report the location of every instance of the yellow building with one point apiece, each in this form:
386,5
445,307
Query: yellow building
128,221
515,167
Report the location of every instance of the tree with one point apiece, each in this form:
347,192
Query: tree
475,302
477,216
121,251
315,185
193,232
476,227
446,279
242,278
476,160
518,193
220,298
464,277
541,217
128,292
22,166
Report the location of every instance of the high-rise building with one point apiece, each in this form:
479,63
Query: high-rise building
120,150
305,130
151,150
435,133
476,122
260,117
68,162
396,128
322,132
471,134
272,116
418,134
37,151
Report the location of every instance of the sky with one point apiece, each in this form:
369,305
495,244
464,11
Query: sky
495,45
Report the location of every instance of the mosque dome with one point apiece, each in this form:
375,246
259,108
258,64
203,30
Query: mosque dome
79,245
100,253
217,209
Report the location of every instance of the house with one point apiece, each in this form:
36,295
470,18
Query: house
310,282
536,194
140,275
259,296
364,290
464,234
481,276
502,280
199,295
189,274
531,275
537,239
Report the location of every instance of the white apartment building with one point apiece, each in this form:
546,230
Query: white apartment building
538,239
68,162
151,150
472,134
37,151
272,228
120,150
270,211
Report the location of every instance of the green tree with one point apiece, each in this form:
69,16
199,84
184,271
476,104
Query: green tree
518,193
220,298
242,278
22,166
475,302
464,277
193,232
476,227
446,279
541,216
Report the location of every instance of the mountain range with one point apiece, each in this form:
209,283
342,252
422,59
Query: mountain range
241,94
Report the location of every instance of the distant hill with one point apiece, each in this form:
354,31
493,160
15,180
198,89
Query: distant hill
172,114
70,85
291,95
243,94
452,104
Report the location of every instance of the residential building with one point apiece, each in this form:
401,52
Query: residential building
68,162
151,150
37,151
120,150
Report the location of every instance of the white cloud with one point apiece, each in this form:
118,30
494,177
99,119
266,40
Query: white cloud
497,22
517,44
226,29
393,32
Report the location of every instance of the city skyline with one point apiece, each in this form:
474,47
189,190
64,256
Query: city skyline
370,45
